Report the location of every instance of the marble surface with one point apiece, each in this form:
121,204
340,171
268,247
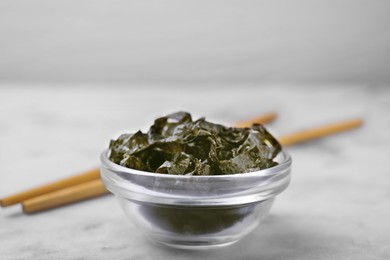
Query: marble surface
337,206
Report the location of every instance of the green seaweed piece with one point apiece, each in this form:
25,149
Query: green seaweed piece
175,144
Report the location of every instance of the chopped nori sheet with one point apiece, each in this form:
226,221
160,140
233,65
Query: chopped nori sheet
175,144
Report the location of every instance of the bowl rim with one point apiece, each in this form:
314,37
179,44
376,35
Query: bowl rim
285,163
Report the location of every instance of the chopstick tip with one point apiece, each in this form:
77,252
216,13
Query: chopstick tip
24,208
357,122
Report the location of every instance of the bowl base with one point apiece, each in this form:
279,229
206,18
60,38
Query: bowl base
195,245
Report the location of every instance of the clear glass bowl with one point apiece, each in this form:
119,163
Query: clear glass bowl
196,212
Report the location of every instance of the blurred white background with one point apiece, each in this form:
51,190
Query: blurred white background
174,41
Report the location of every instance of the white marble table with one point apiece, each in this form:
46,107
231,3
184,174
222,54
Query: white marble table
337,206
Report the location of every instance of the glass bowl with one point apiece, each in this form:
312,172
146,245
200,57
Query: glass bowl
196,212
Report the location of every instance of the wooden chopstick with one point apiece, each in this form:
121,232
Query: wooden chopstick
65,196
317,132
263,119
36,200
54,186
96,187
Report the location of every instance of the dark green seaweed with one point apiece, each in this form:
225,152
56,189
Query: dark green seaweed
195,220
175,144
